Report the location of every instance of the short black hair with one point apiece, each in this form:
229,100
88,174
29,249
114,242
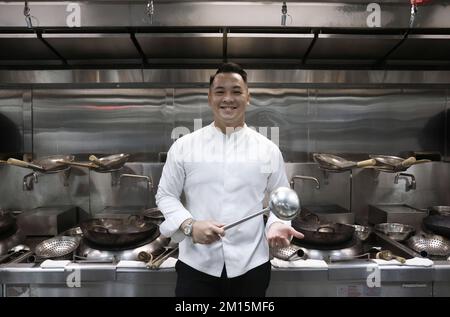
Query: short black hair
229,68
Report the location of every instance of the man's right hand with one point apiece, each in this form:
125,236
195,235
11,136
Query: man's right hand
207,232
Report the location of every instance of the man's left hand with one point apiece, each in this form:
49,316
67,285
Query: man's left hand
279,235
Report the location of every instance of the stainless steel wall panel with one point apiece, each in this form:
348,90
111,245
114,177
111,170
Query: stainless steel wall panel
99,121
334,188
11,121
370,187
282,111
27,122
377,121
71,78
47,192
189,78
190,111
447,128
130,195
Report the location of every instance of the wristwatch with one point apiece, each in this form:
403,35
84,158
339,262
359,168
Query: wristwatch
187,227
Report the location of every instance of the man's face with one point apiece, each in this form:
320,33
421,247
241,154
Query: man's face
228,97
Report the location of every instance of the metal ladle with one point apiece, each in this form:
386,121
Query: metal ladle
284,203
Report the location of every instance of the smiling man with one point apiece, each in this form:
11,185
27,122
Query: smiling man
224,170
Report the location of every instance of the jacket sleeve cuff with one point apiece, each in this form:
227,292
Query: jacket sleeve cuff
170,226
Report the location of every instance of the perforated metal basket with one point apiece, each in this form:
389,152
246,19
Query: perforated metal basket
60,248
289,253
432,244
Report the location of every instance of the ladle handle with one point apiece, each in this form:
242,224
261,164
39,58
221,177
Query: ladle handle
231,225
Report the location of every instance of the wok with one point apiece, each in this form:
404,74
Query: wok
440,210
102,165
153,215
395,164
111,162
318,233
337,163
117,231
7,221
439,224
50,164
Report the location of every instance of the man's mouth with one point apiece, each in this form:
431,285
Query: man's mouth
228,107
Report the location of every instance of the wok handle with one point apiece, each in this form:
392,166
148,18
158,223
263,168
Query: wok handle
88,165
370,162
420,162
231,225
96,161
24,164
156,264
408,162
145,256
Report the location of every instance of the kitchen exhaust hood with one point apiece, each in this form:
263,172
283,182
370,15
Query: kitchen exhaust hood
188,34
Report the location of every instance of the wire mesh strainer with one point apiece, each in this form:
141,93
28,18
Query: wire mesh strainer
430,243
57,248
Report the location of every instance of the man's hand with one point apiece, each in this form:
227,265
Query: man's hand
280,235
207,232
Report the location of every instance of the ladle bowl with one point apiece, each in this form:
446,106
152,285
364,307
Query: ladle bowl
284,203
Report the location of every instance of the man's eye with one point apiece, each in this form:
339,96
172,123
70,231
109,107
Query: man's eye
219,92
237,92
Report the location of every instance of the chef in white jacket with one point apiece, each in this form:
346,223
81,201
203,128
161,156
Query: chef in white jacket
224,170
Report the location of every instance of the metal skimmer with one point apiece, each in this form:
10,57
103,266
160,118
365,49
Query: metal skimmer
289,253
57,248
431,244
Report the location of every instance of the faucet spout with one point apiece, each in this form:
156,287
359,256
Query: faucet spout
292,183
409,185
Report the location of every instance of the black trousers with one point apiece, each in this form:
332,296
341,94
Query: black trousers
193,283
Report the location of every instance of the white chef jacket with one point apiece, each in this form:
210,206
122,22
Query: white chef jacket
224,178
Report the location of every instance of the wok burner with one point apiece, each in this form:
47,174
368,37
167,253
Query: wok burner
138,244
92,251
343,251
10,239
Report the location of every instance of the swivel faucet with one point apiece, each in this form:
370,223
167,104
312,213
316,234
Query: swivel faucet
148,179
305,178
408,185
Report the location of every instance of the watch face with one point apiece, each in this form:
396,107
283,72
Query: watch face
188,229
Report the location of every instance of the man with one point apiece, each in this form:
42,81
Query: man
224,170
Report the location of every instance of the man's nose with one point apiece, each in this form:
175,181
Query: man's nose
228,97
